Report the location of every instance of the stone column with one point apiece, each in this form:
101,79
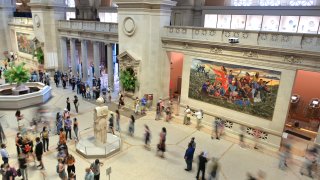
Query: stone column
110,67
74,62
64,54
96,58
84,59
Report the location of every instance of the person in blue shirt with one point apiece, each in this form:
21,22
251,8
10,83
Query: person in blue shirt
189,157
143,105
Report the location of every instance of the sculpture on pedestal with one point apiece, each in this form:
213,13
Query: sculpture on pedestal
100,122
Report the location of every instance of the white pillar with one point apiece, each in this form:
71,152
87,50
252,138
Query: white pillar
73,51
96,58
110,67
84,59
64,54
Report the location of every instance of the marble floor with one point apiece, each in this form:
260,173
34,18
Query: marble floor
134,162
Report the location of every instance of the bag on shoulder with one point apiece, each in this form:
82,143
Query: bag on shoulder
14,172
57,169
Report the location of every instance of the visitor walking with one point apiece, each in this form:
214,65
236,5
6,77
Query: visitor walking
188,156
147,136
23,166
310,157
111,124
162,143
214,169
67,127
118,121
121,101
62,137
61,170
216,128
89,174
76,103
131,125
192,142
68,104
95,167
158,111
39,152
45,138
18,143
73,83
76,127
187,116
19,117
241,137
199,117
4,154
202,164
59,122
284,156
70,164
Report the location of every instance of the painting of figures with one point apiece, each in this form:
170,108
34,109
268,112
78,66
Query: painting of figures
241,88
25,43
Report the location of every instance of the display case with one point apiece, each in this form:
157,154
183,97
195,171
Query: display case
270,23
238,21
309,24
289,23
210,20
224,21
253,22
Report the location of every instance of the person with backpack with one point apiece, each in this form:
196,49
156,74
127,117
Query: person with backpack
23,166
39,152
10,172
61,170
70,164
95,167
45,138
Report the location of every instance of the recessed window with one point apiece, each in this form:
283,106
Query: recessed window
108,17
210,20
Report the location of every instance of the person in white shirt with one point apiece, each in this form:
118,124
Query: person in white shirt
187,114
4,154
199,116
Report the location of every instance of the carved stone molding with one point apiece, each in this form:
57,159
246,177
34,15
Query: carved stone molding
236,34
184,31
227,34
245,35
292,59
129,26
274,37
216,50
186,46
263,36
250,54
127,60
212,33
204,32
285,38
257,133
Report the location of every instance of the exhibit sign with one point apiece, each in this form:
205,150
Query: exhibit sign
245,89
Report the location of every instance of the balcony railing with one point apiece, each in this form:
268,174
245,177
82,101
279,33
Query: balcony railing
89,26
21,21
297,41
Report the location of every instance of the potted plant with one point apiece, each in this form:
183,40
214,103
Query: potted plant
38,53
128,80
17,74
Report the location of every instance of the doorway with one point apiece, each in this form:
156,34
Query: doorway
176,66
302,124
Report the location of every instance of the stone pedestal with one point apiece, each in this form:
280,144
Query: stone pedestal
19,90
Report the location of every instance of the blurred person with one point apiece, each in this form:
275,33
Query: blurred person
284,156
137,106
118,120
76,127
310,158
68,104
147,136
161,106
192,142
131,125
214,169
188,156
168,113
202,164
199,117
257,135
61,170
121,101
59,122
18,143
162,143
241,137
89,174
62,137
66,113
23,166
72,176
4,154
143,105
39,152
10,172
73,82
45,138
3,172
19,117
158,109
111,124
2,135
70,164
216,129
76,103
187,116
67,127
95,167
88,92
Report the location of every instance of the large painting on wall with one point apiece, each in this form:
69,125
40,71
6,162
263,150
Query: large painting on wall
25,43
245,89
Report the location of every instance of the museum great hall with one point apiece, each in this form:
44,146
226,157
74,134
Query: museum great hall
252,64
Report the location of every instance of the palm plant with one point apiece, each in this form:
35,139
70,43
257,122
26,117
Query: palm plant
17,74
39,54
128,80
